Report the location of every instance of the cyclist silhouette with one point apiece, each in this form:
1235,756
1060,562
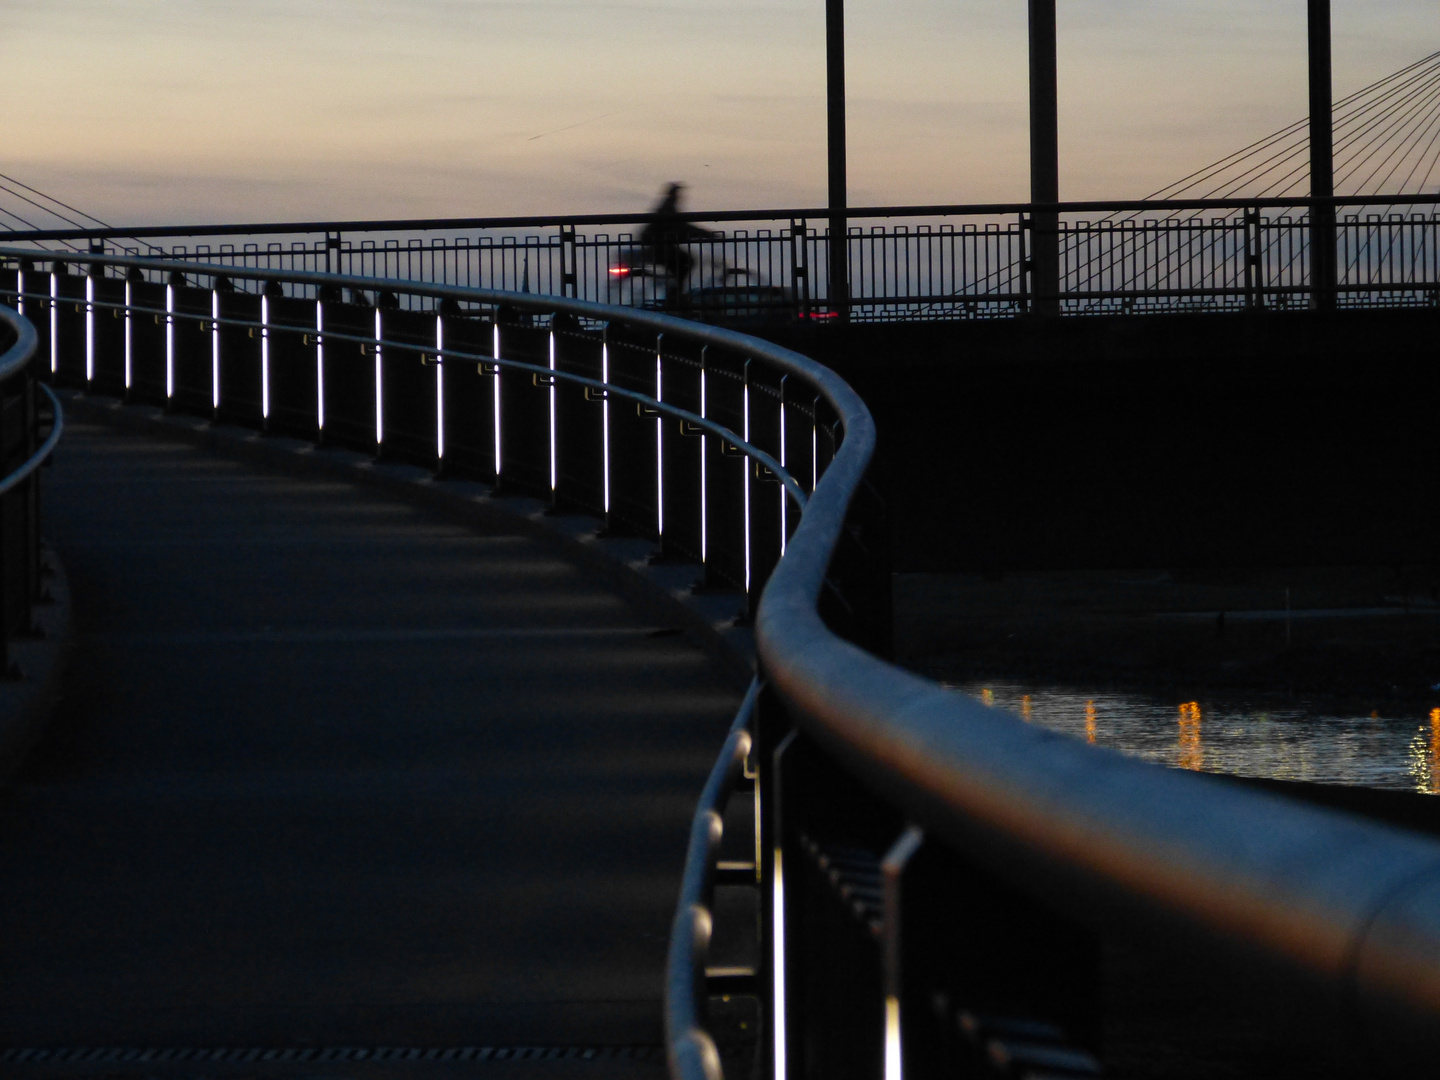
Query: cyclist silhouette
664,243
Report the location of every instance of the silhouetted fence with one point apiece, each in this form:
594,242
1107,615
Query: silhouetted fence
761,268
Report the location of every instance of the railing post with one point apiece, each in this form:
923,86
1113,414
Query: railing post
569,276
1254,270
835,140
7,670
1044,158
900,1053
1026,267
1323,277
30,492
799,267
775,743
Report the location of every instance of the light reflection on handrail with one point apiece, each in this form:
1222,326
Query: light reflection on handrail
18,355
47,448
691,1050
797,493
12,363
782,475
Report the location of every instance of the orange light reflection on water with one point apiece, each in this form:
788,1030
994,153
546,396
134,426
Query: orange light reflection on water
1192,753
1090,722
1435,751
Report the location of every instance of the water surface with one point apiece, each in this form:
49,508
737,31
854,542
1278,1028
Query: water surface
1298,741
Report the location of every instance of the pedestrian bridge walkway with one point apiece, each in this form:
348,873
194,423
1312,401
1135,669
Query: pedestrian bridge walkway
340,789
329,774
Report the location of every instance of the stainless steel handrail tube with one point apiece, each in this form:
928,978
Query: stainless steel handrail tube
18,355
831,387
12,363
1349,908
42,454
783,475
783,359
791,213
20,585
691,1051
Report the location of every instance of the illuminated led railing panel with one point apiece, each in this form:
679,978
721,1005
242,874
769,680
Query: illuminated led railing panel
646,421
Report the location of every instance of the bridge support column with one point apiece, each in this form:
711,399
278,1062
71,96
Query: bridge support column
1323,275
1044,160
835,139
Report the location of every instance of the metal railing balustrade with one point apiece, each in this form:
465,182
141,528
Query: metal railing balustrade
665,429
897,880
25,445
906,263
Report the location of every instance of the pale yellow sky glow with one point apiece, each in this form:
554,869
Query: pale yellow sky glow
149,111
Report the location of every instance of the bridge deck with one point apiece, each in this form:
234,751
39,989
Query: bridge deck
333,773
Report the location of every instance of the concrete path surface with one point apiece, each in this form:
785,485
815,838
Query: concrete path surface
331,775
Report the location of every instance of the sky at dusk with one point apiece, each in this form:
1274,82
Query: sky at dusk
149,111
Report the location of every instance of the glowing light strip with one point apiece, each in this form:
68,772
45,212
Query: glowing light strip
439,388
605,423
659,450
54,323
777,962
495,395
169,340
214,348
319,365
89,328
129,337
892,1037
745,464
784,502
552,414
264,357
815,449
20,291
704,454
379,400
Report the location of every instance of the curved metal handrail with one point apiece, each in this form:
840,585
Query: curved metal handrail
12,363
1333,903
35,460
14,359
21,585
583,308
831,387
691,1050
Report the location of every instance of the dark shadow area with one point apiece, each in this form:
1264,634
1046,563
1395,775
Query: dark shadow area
1260,439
